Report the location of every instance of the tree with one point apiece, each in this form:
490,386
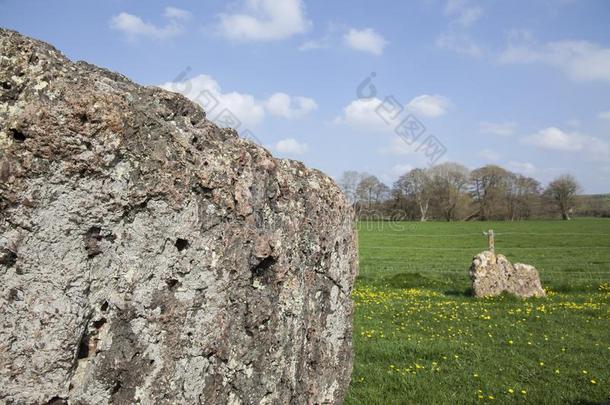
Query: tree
416,184
562,191
522,194
449,181
349,182
370,190
488,185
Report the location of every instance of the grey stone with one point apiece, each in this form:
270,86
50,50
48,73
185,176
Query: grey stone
493,274
148,256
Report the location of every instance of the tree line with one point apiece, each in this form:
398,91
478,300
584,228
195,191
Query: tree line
450,192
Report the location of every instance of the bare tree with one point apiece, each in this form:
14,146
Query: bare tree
488,185
563,191
448,181
349,182
522,194
369,190
416,184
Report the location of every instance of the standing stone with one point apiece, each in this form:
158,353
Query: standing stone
493,274
148,256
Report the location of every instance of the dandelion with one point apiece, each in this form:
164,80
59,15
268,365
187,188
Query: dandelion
511,391
523,392
490,397
584,371
593,382
557,371
510,342
541,364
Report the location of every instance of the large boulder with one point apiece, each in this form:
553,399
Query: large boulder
493,274
148,256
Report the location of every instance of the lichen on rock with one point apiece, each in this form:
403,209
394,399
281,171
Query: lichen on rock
148,256
493,274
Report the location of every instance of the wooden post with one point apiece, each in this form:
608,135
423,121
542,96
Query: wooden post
491,241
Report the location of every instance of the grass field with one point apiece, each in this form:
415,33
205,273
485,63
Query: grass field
419,338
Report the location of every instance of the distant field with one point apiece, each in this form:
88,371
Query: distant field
420,339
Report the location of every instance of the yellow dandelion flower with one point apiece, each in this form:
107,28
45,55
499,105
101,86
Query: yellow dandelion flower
593,382
511,391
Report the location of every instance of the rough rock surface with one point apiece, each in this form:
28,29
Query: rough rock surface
147,256
493,274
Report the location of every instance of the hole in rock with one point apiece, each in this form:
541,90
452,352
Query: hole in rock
181,244
104,306
116,388
17,135
6,85
262,268
91,241
171,283
8,258
57,401
99,324
83,348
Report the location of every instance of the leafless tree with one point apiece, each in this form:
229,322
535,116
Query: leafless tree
349,182
522,195
488,185
449,182
416,184
370,190
562,191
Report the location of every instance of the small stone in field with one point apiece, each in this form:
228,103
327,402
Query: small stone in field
493,274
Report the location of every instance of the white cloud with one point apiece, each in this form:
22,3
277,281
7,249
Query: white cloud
430,106
248,110
366,40
362,114
459,42
579,60
497,128
133,26
291,146
489,155
314,44
555,139
463,12
283,105
176,13
265,20
525,168
206,91
604,115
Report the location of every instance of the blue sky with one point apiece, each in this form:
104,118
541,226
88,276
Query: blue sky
522,84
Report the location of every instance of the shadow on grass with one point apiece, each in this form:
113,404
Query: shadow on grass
588,402
415,280
460,293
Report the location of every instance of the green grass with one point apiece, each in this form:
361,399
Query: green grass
419,338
